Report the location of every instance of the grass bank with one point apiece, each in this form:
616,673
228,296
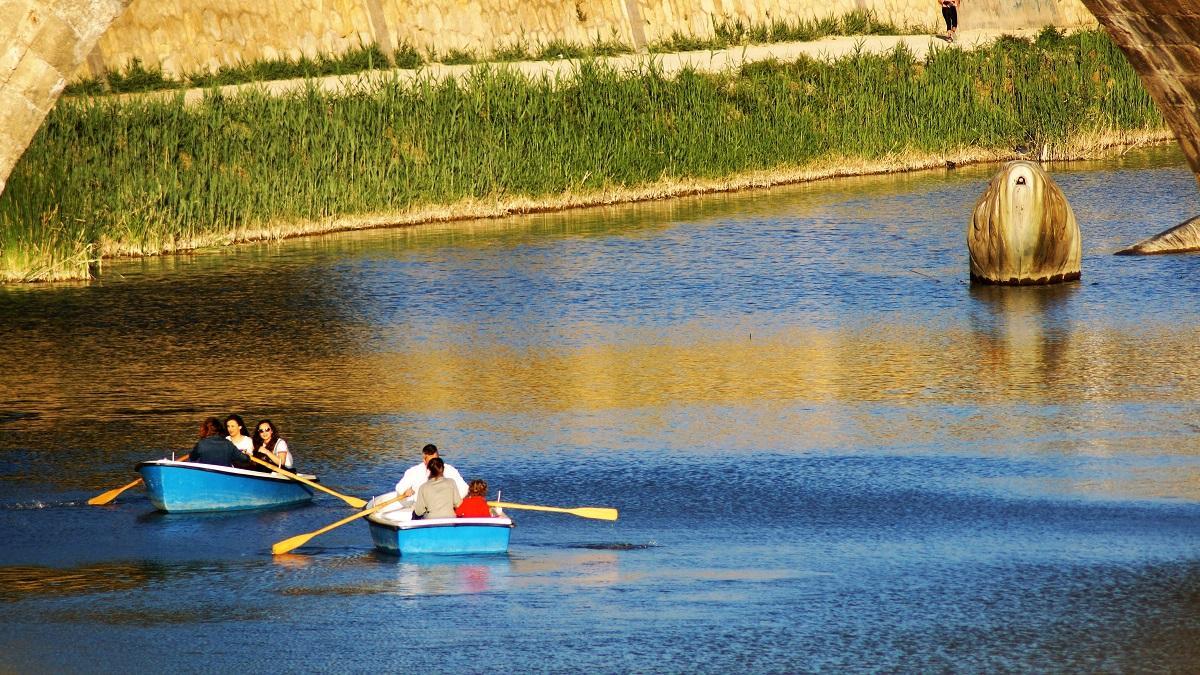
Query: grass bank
105,178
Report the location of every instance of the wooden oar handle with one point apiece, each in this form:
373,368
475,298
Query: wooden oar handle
299,540
596,512
352,501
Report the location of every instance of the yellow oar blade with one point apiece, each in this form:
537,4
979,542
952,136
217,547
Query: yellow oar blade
300,539
291,544
106,497
352,501
596,512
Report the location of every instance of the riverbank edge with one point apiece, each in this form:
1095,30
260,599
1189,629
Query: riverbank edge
1090,146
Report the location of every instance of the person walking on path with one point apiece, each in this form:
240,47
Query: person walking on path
950,14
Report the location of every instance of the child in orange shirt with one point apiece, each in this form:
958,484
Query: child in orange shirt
475,505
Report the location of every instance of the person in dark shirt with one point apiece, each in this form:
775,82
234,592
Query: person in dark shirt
214,448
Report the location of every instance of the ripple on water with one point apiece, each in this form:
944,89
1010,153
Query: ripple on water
829,452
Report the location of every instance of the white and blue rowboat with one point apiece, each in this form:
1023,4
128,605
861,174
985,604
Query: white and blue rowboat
188,487
395,532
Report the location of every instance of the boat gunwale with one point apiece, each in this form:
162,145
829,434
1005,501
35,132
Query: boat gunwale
227,471
433,523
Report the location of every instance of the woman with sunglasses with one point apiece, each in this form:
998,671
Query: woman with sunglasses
268,443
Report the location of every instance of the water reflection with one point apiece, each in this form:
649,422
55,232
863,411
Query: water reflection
451,576
19,582
1022,332
569,569
423,576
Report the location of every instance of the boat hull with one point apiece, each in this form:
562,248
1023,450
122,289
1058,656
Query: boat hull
443,536
188,487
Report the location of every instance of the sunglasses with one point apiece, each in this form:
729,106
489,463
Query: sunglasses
264,430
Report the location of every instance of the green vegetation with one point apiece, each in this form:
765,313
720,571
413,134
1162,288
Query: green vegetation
104,176
356,60
734,33
407,56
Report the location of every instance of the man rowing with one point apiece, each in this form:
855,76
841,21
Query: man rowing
418,474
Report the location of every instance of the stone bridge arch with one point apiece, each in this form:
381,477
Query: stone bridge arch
1161,38
42,42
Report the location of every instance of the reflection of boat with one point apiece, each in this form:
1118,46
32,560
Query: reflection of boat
188,486
394,531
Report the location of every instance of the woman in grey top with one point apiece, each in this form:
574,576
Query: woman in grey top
438,497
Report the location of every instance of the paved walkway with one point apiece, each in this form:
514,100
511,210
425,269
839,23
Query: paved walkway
705,61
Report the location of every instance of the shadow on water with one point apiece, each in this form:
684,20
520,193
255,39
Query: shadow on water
164,518
7,416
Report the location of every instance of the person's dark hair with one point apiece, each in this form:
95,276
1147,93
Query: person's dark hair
436,467
236,418
210,427
258,441
477,488
429,449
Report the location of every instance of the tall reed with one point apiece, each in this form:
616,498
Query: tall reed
147,176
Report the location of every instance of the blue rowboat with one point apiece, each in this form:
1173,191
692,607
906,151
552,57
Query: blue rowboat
438,536
187,487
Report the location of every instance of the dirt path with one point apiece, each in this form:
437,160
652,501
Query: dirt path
705,61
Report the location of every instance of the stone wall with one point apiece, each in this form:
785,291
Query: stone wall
187,36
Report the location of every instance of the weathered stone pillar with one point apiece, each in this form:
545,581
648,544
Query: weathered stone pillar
42,42
1022,231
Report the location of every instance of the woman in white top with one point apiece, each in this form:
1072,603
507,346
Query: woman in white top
237,434
268,443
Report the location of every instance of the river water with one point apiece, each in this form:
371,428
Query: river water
829,451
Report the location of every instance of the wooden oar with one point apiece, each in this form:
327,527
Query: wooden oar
352,501
106,497
300,539
598,513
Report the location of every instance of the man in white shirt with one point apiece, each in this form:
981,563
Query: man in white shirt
416,476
